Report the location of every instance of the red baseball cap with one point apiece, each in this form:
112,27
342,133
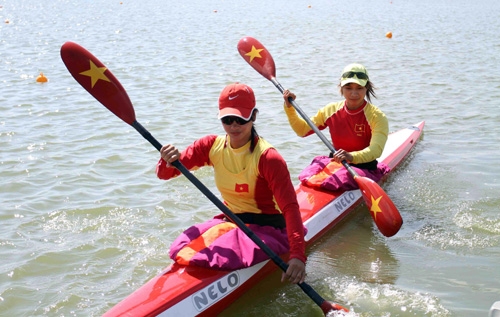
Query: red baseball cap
236,100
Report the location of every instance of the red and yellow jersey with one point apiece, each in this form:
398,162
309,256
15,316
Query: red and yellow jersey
362,132
249,182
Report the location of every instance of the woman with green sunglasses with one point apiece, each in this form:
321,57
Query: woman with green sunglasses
358,130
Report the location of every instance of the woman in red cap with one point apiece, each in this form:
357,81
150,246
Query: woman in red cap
358,130
255,184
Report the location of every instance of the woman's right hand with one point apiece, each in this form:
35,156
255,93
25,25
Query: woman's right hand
288,94
169,153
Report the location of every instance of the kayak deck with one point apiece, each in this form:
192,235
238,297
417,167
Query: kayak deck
195,291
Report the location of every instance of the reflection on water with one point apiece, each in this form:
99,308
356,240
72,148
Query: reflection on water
355,251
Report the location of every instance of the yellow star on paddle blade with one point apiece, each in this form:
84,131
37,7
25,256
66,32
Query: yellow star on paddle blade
95,73
375,207
254,53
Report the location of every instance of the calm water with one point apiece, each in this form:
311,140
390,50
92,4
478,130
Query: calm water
85,221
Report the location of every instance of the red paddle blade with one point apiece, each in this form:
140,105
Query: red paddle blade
383,211
257,56
328,307
97,80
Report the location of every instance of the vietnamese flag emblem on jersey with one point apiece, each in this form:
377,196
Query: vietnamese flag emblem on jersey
241,188
359,128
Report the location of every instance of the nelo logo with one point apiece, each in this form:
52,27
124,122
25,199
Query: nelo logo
344,201
215,291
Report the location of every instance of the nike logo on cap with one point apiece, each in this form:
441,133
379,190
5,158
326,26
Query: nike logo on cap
231,98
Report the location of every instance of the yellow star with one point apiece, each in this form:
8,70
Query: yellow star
95,73
375,208
254,53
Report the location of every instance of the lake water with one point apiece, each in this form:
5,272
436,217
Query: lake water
85,222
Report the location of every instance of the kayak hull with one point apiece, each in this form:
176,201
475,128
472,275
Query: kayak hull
194,291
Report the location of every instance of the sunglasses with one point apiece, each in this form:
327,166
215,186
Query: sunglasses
359,75
230,119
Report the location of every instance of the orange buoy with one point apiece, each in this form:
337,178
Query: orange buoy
388,35
41,78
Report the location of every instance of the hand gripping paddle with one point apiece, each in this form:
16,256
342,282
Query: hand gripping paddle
98,80
383,211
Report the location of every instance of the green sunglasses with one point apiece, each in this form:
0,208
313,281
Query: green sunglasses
359,75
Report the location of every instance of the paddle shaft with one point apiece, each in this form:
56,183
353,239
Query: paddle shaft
94,77
389,220
314,127
196,182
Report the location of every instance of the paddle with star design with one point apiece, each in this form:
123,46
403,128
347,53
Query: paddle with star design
384,213
92,75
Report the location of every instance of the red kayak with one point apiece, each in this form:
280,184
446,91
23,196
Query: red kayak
195,291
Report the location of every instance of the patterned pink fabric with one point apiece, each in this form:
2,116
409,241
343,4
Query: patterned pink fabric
232,250
340,179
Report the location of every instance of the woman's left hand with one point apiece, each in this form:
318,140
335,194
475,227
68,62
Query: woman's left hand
341,155
296,272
